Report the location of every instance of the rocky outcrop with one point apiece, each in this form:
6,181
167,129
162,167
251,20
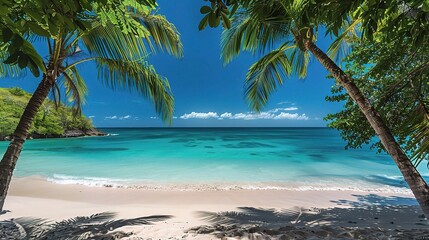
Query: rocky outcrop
4,137
82,133
67,134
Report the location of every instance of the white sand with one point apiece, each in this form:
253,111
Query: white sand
35,197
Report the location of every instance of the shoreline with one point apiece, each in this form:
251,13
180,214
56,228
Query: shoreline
184,186
72,133
35,197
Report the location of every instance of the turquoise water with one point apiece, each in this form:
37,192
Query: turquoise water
253,157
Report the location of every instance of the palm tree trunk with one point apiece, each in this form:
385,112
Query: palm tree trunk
415,181
8,162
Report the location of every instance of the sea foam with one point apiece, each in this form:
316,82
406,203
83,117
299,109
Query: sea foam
226,186
87,181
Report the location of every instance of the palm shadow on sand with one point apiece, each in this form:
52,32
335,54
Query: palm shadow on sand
370,217
98,226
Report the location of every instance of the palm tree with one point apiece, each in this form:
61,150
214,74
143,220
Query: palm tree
119,53
264,24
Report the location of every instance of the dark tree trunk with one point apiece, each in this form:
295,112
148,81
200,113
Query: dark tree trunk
8,162
417,184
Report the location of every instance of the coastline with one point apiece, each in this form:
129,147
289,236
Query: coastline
228,184
73,133
195,186
36,197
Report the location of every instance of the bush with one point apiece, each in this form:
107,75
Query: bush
17,91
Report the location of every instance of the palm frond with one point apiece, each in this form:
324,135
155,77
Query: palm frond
108,41
56,94
299,61
249,34
232,40
164,34
120,54
8,70
265,75
340,47
135,20
140,76
76,89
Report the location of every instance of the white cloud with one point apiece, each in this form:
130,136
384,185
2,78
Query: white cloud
91,117
154,118
291,116
274,114
282,109
226,115
285,102
253,116
199,115
125,117
117,117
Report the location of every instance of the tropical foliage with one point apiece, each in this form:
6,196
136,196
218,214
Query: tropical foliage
395,76
19,19
288,31
380,19
114,41
117,36
50,120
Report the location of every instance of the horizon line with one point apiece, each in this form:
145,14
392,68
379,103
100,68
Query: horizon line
212,127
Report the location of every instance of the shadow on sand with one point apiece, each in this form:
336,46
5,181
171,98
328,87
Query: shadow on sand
97,226
368,217
374,199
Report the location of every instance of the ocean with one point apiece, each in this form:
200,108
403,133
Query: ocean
211,158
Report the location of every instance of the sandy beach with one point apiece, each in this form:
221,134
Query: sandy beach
217,211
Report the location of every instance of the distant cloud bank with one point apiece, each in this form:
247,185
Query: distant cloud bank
119,117
199,115
274,114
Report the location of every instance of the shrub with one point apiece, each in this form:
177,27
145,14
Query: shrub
17,91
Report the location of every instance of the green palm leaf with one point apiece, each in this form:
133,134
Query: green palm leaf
164,35
121,56
265,75
140,76
76,89
110,42
56,95
299,61
250,34
8,70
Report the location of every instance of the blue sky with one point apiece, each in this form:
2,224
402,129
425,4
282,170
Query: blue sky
206,92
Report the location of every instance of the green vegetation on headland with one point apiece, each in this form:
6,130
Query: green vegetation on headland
50,121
